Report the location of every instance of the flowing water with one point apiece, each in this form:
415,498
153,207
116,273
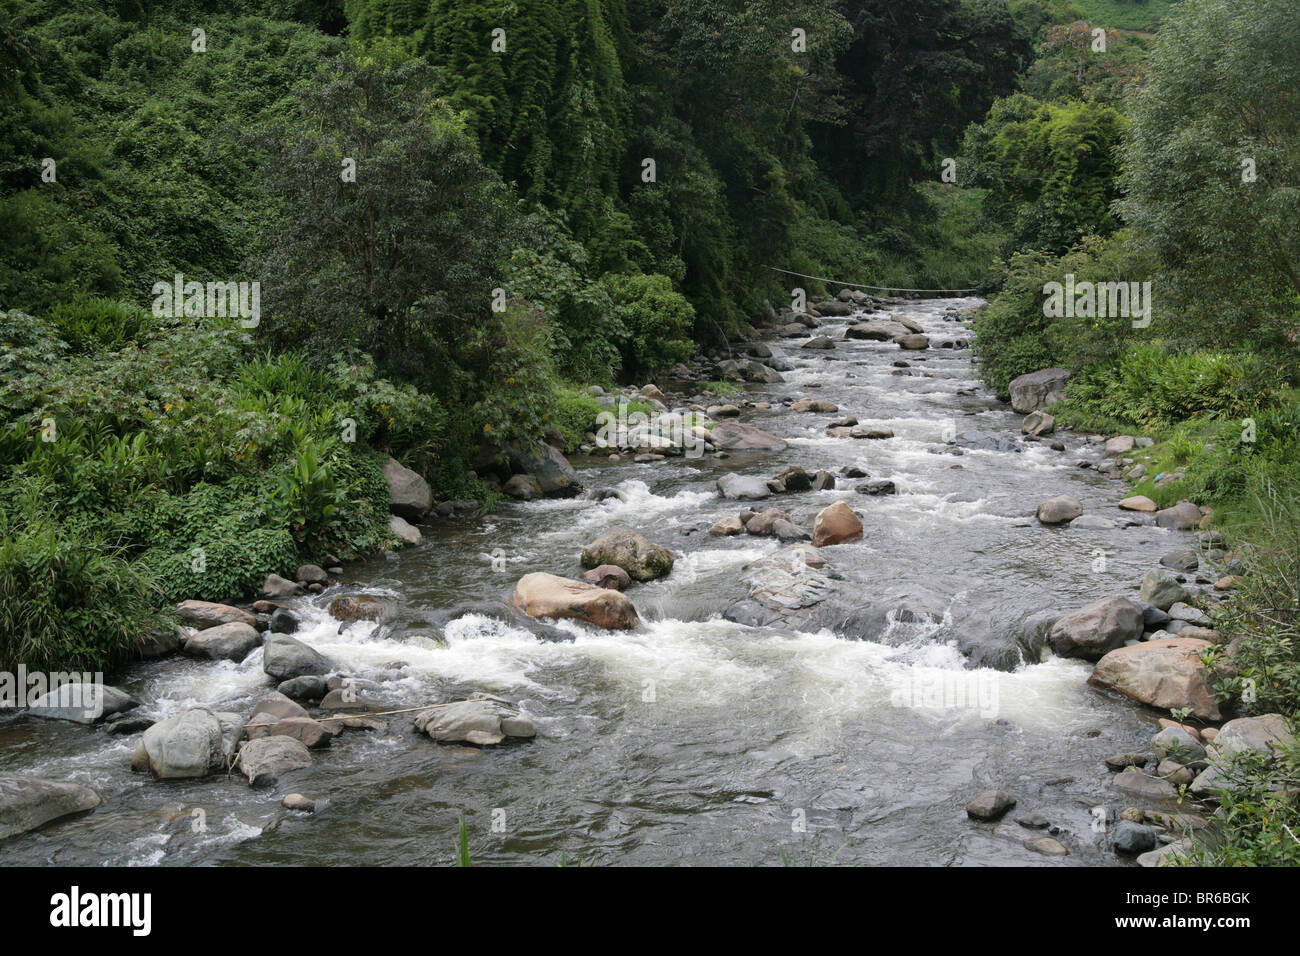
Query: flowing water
692,740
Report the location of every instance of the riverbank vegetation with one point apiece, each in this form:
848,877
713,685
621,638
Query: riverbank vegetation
1174,166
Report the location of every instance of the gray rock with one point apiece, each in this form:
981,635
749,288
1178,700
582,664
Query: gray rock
737,436
82,703
285,657
736,487
1059,510
283,621
1047,846
555,476
640,557
205,614
1177,744
30,802
312,574
1096,628
1038,389
1135,783
230,642
1192,615
1162,590
276,588
1093,523
309,688
409,495
1268,733
990,805
482,722
404,531
191,744
264,760
1132,838
1183,516
1181,560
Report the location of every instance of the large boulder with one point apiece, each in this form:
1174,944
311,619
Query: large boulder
737,436
191,744
409,495
1039,389
228,642
912,342
1167,674
30,802
551,470
542,595
636,554
82,703
877,331
205,614
1264,734
1096,629
485,721
285,657
836,524
264,760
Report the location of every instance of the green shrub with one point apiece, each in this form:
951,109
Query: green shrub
655,322
89,323
68,604
575,414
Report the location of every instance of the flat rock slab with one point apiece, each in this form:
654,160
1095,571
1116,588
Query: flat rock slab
483,722
30,802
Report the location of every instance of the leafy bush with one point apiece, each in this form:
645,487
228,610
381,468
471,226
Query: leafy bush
655,322
88,323
1155,388
575,414
68,604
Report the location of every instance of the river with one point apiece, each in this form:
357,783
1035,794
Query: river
692,740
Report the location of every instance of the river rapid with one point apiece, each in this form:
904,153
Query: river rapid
692,740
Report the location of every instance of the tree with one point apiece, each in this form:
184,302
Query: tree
1051,169
399,260
1211,170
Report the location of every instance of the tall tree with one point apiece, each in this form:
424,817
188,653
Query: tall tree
1212,167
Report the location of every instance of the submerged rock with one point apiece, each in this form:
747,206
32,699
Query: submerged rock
483,722
27,803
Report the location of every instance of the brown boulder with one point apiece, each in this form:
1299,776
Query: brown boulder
835,525
549,595
1167,674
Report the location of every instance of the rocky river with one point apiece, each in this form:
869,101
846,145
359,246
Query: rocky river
857,729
